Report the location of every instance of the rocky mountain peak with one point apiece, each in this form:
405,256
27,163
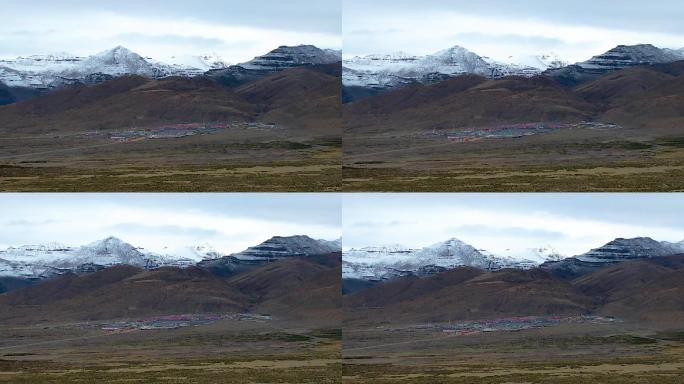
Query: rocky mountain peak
287,246
622,249
624,56
291,56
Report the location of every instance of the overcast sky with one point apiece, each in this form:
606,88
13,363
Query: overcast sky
238,30
230,222
575,30
571,223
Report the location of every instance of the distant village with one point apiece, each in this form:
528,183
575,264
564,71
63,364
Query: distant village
179,321
174,131
509,131
508,324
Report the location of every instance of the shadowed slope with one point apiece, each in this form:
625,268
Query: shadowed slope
294,288
465,293
120,292
126,102
468,101
299,288
645,289
303,96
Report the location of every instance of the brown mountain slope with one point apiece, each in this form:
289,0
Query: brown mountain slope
467,294
294,288
303,96
410,288
308,97
650,290
621,86
126,102
298,288
414,96
661,106
469,101
121,292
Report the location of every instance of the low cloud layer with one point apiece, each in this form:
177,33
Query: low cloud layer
501,29
230,222
571,223
238,31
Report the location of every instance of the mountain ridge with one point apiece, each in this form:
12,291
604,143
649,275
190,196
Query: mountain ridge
383,72
46,73
385,263
46,261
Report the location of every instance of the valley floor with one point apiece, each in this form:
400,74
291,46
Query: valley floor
224,351
566,354
574,160
284,160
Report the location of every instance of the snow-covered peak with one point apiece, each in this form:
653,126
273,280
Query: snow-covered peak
453,253
117,55
455,53
333,244
540,62
55,70
117,61
110,245
383,71
454,61
193,253
397,56
202,62
40,261
388,254
536,255
42,63
388,262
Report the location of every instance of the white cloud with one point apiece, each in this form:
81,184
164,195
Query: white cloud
94,31
416,224
31,221
426,31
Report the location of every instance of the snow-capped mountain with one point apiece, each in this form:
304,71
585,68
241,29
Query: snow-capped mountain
376,263
534,256
624,56
273,249
627,249
382,71
295,56
616,251
455,253
56,70
290,246
47,72
43,261
620,57
203,62
115,62
388,262
336,244
281,58
540,62
195,253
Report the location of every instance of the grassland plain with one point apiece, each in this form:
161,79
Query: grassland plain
280,132
223,352
552,163
184,165
566,355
